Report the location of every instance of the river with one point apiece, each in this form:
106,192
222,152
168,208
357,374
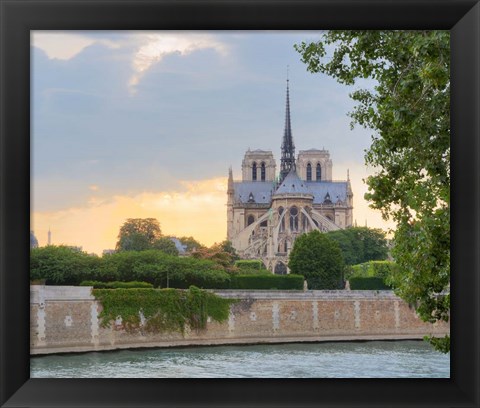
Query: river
375,359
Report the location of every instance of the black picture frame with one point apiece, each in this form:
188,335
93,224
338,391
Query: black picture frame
18,17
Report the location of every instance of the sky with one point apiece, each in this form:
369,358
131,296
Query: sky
146,124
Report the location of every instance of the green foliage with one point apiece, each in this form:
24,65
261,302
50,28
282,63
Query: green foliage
166,245
208,279
319,259
156,267
165,310
138,234
222,254
191,243
378,269
441,344
367,283
267,282
249,264
409,111
117,285
361,244
62,265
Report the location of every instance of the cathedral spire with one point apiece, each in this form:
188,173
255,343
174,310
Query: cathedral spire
288,148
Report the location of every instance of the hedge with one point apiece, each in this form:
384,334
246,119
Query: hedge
377,269
367,283
210,279
249,264
117,285
262,281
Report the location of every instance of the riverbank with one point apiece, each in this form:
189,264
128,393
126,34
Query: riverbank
64,319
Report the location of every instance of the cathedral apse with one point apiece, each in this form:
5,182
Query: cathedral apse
267,210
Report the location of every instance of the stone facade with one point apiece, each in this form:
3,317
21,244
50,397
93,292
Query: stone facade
65,319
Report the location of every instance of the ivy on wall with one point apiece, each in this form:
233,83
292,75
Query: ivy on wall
164,310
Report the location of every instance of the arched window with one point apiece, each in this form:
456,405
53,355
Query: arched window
250,219
282,222
309,172
293,219
319,172
254,171
262,172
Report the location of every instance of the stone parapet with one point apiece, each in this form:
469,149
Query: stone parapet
64,319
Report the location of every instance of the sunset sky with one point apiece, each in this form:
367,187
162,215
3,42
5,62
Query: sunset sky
146,124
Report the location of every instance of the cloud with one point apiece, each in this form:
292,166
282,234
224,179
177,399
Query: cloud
65,46
194,209
156,46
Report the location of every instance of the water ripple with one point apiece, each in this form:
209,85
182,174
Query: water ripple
412,359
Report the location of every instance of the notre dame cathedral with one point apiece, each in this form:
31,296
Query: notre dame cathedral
266,212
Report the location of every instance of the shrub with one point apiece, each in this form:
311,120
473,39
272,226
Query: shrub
270,281
377,269
204,279
249,264
62,265
117,285
319,259
152,266
367,283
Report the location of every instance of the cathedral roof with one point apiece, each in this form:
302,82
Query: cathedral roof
337,190
292,184
261,191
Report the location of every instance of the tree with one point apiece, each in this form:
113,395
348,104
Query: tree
361,244
191,243
62,265
138,234
319,259
222,253
409,111
166,245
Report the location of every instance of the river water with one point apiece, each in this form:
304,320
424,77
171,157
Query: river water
375,359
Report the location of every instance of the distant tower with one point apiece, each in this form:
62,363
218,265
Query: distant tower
287,162
49,236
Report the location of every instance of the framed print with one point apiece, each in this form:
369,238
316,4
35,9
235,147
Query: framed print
22,19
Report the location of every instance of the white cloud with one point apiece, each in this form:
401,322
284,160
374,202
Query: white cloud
156,46
64,45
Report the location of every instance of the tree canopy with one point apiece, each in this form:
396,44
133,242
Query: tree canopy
141,234
361,244
62,265
165,244
191,243
319,259
409,111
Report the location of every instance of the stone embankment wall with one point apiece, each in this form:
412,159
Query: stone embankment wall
65,319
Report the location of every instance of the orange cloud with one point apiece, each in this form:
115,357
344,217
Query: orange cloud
196,209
